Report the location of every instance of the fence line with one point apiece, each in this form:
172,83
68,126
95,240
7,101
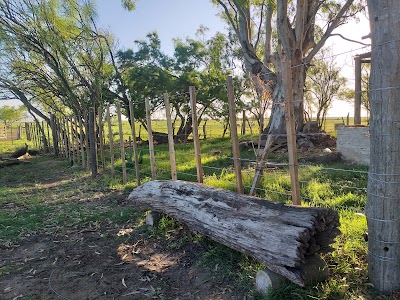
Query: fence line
81,139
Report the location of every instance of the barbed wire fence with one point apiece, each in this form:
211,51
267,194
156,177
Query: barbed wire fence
107,145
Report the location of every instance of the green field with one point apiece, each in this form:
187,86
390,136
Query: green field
339,186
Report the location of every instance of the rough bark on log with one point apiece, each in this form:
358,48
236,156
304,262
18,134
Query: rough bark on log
11,162
280,236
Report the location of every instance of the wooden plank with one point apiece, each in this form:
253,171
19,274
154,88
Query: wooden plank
110,140
92,141
151,142
121,143
357,91
135,152
101,137
171,146
196,139
234,135
291,131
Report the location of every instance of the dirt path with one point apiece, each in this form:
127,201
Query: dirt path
99,258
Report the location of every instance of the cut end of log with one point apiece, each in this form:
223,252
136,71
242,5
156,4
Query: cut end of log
266,279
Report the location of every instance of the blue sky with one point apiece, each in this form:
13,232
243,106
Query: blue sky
170,18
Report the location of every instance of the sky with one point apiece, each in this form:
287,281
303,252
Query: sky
171,19
181,18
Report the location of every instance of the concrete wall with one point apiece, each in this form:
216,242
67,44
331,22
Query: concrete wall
354,143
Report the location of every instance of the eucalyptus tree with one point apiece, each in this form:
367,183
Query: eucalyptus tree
271,31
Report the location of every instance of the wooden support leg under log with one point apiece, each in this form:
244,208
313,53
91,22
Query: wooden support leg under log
314,268
152,218
283,237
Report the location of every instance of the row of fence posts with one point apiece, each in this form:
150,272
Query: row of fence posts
34,133
68,143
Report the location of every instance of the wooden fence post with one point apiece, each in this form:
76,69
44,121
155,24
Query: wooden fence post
87,141
101,136
65,137
54,135
234,136
27,132
357,91
110,140
72,140
196,139
32,129
135,154
77,140
48,136
81,141
150,138
92,141
61,137
291,131
243,122
170,138
122,145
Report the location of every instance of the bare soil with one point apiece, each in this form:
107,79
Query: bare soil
101,260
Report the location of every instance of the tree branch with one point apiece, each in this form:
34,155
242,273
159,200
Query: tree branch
334,24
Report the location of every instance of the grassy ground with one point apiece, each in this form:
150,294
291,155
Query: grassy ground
46,200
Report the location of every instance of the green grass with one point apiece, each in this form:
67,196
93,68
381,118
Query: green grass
46,202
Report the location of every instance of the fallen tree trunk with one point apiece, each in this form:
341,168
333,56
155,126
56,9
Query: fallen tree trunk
280,236
11,162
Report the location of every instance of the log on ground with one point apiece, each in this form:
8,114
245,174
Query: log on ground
280,236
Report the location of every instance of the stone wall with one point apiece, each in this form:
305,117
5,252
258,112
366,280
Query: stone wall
353,142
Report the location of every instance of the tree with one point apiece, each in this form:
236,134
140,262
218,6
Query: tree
10,114
383,202
299,38
52,53
324,83
365,72
148,72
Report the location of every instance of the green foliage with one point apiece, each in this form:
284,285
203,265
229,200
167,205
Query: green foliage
10,114
324,84
55,56
148,72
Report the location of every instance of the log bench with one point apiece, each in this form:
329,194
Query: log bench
287,239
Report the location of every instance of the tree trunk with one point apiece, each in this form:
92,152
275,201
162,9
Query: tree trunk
383,203
280,236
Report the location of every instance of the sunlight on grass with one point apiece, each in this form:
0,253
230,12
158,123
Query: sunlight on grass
47,196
